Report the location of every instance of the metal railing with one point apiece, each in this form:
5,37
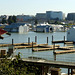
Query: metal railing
49,57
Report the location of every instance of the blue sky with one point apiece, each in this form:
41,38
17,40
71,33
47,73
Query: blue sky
31,7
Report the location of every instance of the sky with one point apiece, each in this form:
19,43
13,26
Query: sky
31,7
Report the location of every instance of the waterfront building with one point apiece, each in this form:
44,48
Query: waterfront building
71,34
71,16
43,28
23,18
40,16
23,29
14,27
54,15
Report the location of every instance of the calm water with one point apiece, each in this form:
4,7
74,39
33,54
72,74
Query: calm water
41,39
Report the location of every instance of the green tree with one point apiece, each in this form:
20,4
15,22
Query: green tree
36,22
11,19
4,21
14,19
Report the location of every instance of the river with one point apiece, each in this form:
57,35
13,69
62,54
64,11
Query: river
41,39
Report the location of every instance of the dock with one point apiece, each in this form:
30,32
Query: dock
66,48
59,41
16,44
43,49
30,46
21,47
48,46
63,52
68,42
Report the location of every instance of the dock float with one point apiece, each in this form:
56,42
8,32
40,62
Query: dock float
66,48
43,49
48,46
59,41
21,47
63,52
16,44
68,42
29,46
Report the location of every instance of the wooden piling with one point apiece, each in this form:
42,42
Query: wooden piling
54,57
71,72
12,41
35,38
68,71
28,40
32,46
52,38
47,40
64,39
54,48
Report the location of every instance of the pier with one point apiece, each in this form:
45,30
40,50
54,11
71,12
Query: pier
55,66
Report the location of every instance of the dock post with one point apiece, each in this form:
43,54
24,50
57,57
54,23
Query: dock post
54,57
47,40
32,46
64,39
68,71
28,40
71,72
54,48
52,38
36,39
12,41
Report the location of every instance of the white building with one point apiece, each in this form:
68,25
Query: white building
54,15
23,29
71,34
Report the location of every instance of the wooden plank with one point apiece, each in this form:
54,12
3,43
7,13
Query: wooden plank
62,52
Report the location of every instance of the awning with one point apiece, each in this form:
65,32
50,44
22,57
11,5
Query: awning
3,32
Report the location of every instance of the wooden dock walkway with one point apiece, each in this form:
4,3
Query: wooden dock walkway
68,42
30,46
67,51
21,47
59,41
48,46
43,49
66,48
16,44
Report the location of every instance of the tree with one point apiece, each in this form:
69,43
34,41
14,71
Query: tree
36,22
14,19
11,19
4,21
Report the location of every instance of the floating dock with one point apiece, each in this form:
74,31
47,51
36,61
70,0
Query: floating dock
68,42
48,46
43,49
30,46
21,47
59,41
66,48
67,51
16,44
